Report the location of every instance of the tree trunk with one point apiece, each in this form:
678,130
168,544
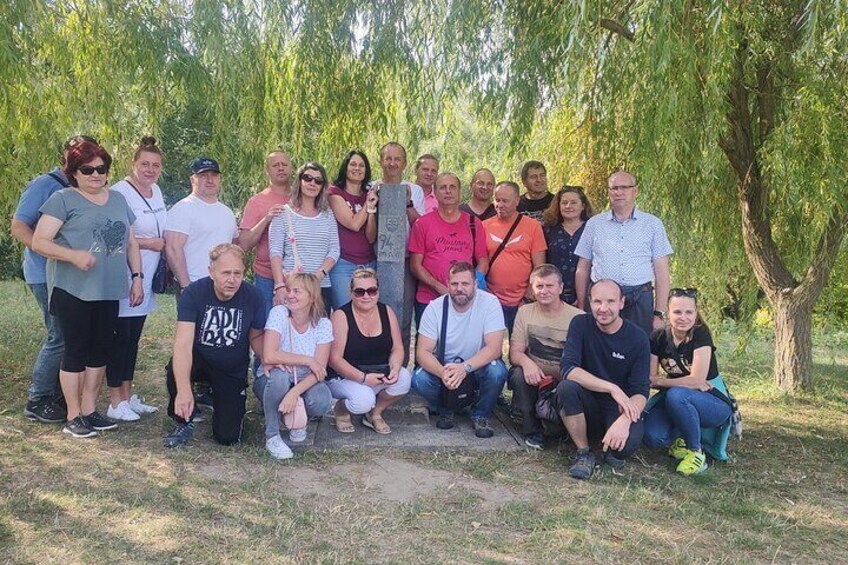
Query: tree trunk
793,342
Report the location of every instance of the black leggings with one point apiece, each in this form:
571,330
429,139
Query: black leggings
88,327
228,398
124,352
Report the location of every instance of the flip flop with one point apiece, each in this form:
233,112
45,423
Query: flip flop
378,424
343,423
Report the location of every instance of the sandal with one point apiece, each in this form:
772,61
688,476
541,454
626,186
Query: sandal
376,423
343,423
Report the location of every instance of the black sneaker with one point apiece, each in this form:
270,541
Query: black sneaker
583,464
482,429
535,441
180,435
445,422
46,411
100,422
503,402
78,427
204,399
614,462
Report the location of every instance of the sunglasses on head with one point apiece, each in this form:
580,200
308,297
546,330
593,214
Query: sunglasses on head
89,170
304,177
360,292
689,292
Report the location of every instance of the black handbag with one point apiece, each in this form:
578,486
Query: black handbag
466,393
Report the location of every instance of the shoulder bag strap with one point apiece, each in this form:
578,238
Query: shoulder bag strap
292,238
149,207
440,351
505,241
293,368
473,226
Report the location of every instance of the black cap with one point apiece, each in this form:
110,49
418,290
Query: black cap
202,164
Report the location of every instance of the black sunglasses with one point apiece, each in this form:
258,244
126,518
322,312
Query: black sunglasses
360,292
309,178
689,292
88,169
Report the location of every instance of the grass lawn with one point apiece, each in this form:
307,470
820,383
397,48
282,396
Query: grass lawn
122,498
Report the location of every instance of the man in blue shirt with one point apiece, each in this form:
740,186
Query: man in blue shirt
605,383
630,247
45,402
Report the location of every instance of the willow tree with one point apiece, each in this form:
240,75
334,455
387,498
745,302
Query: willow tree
717,106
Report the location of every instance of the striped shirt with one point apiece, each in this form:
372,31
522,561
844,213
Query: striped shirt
316,239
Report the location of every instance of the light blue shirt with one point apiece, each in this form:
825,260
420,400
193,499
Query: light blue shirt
624,251
32,198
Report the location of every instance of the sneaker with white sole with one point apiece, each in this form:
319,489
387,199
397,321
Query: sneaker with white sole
139,407
79,428
297,435
278,448
99,422
122,412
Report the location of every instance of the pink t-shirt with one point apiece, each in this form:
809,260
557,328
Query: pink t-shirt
441,243
254,211
430,202
354,244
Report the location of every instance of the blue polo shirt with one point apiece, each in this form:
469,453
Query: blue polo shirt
33,197
623,251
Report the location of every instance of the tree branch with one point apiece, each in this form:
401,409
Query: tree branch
618,29
827,251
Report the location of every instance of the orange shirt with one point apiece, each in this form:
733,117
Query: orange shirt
509,276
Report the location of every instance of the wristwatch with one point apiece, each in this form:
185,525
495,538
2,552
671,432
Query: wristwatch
137,275
468,368
659,314
409,204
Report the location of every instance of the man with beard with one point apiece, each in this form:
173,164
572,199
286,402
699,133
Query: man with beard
473,337
605,383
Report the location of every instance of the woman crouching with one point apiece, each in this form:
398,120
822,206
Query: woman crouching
366,357
296,348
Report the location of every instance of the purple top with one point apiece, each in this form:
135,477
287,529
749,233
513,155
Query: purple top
354,245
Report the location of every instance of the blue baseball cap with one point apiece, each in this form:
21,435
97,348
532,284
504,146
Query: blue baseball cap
202,164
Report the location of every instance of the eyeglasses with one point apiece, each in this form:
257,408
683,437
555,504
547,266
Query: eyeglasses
689,292
89,170
621,188
309,178
360,292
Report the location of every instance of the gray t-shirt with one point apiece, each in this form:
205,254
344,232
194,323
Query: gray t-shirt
465,329
99,229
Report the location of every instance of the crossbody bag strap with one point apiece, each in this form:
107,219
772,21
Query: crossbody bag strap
292,238
149,207
291,345
473,226
443,334
502,246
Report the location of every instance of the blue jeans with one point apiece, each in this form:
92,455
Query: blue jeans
266,287
639,306
340,276
270,390
509,313
45,371
682,412
491,379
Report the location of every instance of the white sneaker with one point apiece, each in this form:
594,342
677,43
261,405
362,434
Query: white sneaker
278,448
122,412
140,407
297,435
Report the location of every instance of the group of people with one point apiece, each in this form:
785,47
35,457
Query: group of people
583,298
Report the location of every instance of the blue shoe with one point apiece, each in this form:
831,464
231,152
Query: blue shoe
180,435
535,441
197,416
204,399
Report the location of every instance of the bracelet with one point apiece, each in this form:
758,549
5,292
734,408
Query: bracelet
323,272
371,210
364,376
279,286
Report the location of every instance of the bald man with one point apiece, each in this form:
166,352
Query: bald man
628,246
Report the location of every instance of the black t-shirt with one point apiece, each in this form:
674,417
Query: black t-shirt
222,329
534,208
487,213
622,358
677,361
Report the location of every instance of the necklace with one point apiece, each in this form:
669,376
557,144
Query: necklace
368,323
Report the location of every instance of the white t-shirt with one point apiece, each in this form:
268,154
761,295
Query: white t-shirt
149,222
465,329
304,343
206,226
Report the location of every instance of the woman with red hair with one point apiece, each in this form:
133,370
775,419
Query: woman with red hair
85,232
